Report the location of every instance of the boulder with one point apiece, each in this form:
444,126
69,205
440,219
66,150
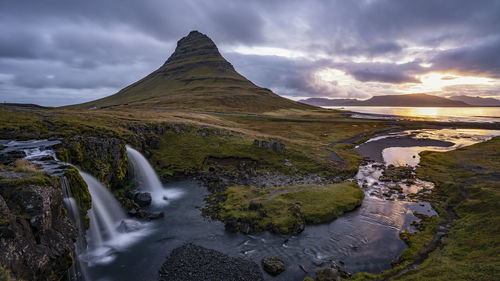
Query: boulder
143,199
273,266
328,274
155,215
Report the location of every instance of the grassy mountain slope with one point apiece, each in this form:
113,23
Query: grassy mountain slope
196,77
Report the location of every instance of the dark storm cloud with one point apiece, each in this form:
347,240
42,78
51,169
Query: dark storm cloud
385,72
482,58
94,46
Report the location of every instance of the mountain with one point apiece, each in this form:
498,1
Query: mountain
477,101
328,102
417,100
196,77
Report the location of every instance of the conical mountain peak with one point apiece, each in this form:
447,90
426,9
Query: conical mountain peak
196,77
195,45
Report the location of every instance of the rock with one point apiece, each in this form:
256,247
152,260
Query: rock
245,228
143,199
192,262
132,212
4,209
36,236
155,216
273,144
273,266
231,225
328,274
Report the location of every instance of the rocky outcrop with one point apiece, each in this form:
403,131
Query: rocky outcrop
273,266
272,144
103,156
36,236
192,262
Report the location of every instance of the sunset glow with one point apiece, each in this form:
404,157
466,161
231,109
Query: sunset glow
434,82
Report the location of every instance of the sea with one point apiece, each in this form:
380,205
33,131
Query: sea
443,114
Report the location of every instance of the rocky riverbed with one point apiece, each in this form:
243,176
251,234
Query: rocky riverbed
192,262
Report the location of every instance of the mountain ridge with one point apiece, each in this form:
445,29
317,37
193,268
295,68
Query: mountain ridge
411,100
196,77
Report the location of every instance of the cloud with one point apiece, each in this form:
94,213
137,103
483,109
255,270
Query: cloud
56,46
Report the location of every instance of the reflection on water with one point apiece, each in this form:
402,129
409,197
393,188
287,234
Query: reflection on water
401,156
447,114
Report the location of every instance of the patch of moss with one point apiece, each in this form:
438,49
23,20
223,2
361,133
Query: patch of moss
282,209
79,189
39,179
4,275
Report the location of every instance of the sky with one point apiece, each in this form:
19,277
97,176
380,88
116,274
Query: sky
59,52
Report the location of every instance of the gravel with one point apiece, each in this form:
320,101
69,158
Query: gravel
192,262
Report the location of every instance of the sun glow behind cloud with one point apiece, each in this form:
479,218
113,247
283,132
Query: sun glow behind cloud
432,82
436,82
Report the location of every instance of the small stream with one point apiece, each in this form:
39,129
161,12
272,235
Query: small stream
366,239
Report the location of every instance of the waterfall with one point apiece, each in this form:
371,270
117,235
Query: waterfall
78,271
148,180
105,215
110,228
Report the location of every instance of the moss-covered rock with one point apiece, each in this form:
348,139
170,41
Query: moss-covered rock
286,209
79,189
102,156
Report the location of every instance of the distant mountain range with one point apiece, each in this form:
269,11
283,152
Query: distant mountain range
417,100
477,101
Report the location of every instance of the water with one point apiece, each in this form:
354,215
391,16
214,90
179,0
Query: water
366,239
402,149
401,156
78,270
111,231
446,114
148,179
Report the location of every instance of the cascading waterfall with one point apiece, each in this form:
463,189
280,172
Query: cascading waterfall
105,215
110,228
78,271
148,180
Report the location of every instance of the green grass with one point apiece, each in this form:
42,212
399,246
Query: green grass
317,204
188,152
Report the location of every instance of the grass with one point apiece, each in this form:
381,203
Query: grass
467,182
280,209
23,165
188,152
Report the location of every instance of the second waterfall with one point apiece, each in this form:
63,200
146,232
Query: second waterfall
148,179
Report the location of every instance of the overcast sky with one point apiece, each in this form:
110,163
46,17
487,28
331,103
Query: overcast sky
63,52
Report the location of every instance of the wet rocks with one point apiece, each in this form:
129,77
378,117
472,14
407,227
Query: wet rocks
328,274
143,199
273,266
192,262
397,174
